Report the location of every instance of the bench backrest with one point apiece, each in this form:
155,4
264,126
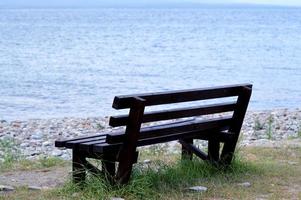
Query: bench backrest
234,122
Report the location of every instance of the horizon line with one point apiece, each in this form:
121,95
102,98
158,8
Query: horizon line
153,5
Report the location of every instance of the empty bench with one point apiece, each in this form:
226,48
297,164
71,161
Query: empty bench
217,122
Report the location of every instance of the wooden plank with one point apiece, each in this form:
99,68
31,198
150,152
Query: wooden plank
72,144
88,146
61,143
126,155
238,117
109,166
194,150
105,147
206,135
78,166
213,150
196,125
186,153
125,101
122,120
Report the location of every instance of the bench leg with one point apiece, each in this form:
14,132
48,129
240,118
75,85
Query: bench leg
213,151
227,153
108,166
125,167
187,154
78,166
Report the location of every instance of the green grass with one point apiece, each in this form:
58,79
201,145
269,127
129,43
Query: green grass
40,163
267,169
258,125
12,158
9,153
269,131
156,180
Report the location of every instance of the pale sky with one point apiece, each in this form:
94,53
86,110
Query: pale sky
273,2
140,2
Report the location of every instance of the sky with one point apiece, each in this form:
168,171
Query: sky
88,3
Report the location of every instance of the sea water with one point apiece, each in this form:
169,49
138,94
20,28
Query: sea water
72,62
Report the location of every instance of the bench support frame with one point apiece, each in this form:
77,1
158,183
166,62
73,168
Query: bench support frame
118,151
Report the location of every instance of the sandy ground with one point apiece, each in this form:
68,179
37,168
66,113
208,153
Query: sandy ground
56,176
43,178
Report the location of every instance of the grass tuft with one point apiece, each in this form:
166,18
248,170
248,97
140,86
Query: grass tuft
152,181
258,125
9,153
269,128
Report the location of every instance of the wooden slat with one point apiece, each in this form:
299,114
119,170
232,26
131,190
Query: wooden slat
61,143
72,144
126,155
88,146
238,117
196,125
105,147
194,150
217,135
122,120
125,101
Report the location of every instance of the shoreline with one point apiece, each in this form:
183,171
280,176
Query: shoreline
35,138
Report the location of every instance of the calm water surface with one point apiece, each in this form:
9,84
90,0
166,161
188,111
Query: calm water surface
72,62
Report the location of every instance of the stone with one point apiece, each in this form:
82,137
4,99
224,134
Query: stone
56,153
198,188
147,161
244,184
25,144
47,143
6,188
292,163
75,194
37,136
34,187
65,156
116,198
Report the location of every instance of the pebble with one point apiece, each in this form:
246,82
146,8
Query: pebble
244,184
198,188
47,143
6,188
36,188
147,161
35,137
57,153
22,145
292,163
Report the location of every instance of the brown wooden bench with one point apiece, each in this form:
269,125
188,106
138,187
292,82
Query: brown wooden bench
118,149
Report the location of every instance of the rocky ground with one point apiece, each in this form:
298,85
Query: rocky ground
35,138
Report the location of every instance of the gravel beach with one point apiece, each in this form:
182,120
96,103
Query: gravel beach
35,138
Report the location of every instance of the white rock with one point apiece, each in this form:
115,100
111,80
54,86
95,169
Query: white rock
147,161
25,144
47,143
36,136
34,187
116,198
292,163
244,184
198,188
57,153
6,188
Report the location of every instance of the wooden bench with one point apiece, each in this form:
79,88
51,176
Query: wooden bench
118,149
